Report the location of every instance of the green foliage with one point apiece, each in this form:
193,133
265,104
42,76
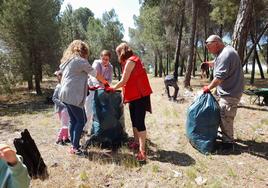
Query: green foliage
224,12
30,31
8,73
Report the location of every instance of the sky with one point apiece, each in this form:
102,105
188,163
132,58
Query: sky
125,9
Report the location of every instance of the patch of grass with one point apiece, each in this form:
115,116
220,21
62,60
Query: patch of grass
83,176
264,121
215,184
231,173
155,168
83,186
191,173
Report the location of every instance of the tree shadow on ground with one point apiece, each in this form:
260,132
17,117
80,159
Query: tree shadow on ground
126,157
259,108
259,149
30,105
172,157
8,127
111,157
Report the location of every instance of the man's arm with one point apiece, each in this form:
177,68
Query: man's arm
215,82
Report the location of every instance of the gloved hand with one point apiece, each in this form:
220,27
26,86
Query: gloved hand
205,89
106,84
109,89
93,88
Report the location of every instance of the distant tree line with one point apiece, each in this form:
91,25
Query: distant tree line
170,35
33,35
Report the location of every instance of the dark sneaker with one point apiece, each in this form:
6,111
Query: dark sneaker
76,151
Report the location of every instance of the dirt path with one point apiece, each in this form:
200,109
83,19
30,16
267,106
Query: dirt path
172,161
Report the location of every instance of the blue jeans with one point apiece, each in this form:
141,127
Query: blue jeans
77,122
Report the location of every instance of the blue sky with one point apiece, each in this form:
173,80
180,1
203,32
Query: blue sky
125,9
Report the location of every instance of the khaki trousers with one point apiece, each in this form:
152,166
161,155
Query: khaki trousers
228,108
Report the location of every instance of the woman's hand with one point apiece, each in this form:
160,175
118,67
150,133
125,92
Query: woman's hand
8,155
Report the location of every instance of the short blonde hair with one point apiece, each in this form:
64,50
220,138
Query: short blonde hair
75,48
123,52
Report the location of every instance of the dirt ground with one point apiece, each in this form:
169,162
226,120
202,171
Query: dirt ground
172,161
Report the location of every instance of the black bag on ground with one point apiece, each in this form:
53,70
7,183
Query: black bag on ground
203,120
27,148
108,127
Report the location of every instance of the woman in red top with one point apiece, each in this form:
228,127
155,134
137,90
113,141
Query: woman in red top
136,92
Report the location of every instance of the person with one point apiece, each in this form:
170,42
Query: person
170,80
136,92
104,68
13,173
229,82
62,113
75,69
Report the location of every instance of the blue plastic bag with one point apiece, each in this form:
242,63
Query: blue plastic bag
203,120
108,128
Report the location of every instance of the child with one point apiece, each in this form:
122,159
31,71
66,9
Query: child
13,173
104,68
62,112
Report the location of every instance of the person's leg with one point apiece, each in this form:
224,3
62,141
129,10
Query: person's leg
79,115
167,88
228,109
140,111
176,89
132,117
72,122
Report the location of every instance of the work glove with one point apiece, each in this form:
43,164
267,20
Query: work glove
205,89
106,84
109,89
93,88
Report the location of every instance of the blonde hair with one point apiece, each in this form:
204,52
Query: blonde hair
75,48
123,52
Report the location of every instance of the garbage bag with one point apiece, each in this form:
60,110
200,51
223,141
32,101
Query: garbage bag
203,120
108,127
26,147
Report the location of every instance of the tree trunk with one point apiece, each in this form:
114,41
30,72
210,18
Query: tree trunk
155,65
255,43
160,63
178,43
253,69
167,64
195,54
191,45
37,80
182,66
267,54
119,71
30,82
257,56
221,31
242,26
114,70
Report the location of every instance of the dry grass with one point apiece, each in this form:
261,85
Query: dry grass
168,148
